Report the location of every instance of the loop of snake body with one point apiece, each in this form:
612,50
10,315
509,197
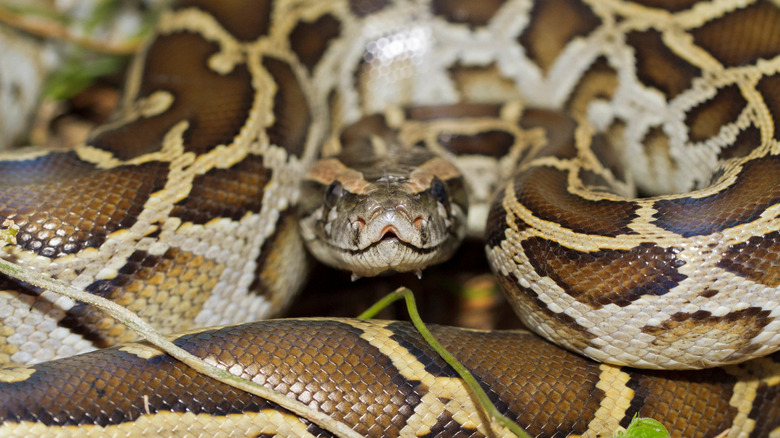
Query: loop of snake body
386,128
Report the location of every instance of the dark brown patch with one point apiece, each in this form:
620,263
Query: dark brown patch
765,412
744,36
598,82
275,253
769,87
225,193
746,142
216,106
57,218
593,181
437,112
525,301
543,191
357,136
709,293
606,276
738,327
659,67
310,40
559,129
669,5
690,403
657,143
292,116
488,143
705,120
245,20
474,14
51,168
361,8
496,222
756,188
608,156
757,260
553,24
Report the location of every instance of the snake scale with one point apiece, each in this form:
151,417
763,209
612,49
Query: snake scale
630,149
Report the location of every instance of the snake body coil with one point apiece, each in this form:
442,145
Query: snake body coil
389,126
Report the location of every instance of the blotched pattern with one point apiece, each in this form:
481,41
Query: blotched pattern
183,205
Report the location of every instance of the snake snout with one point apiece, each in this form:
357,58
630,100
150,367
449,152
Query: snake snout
387,224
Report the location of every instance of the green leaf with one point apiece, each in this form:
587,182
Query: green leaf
78,73
644,428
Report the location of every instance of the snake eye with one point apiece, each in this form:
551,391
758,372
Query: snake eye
439,191
333,193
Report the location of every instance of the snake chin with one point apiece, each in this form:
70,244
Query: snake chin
393,254
387,252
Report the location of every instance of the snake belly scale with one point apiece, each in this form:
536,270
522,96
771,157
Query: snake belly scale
535,124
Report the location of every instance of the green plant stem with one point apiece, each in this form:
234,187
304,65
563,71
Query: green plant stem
464,373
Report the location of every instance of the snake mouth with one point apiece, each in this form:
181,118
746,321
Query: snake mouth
391,234
392,254
389,253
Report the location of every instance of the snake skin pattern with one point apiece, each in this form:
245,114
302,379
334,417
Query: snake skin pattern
182,209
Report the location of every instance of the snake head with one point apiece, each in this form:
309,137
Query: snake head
372,216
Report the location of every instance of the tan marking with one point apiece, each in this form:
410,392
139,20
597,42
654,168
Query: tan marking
175,424
274,271
143,351
421,177
617,399
750,376
331,169
483,84
11,375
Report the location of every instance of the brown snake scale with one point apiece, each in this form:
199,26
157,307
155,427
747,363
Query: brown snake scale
184,208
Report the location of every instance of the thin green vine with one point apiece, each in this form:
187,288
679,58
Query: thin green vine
464,373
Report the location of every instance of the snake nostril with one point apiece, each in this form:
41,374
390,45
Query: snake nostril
420,223
358,224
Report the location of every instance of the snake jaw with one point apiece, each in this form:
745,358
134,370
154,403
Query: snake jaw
388,238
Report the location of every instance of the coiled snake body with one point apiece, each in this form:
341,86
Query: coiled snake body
184,209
